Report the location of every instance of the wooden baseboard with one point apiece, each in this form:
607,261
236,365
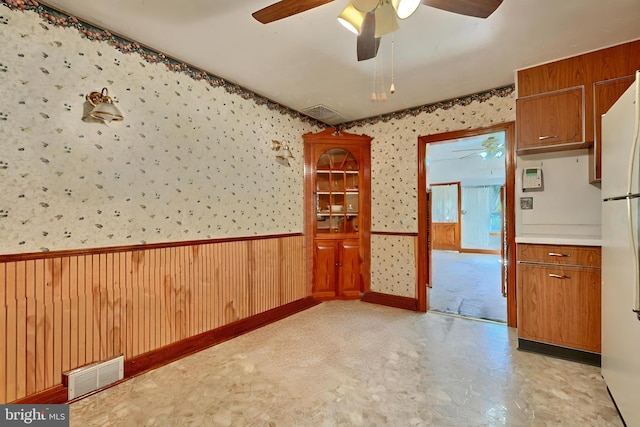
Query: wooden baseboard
170,353
391,300
480,251
57,394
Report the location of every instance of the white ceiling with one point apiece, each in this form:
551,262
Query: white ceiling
309,59
459,160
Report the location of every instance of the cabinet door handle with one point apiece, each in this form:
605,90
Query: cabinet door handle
557,254
558,276
542,138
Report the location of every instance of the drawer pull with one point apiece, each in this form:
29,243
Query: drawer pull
557,254
542,138
558,276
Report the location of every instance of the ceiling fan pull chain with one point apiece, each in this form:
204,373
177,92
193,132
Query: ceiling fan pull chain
379,93
392,89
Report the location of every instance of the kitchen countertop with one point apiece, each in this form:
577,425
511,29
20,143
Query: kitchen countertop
560,240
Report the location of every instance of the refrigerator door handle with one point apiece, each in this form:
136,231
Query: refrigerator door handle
625,197
630,195
634,246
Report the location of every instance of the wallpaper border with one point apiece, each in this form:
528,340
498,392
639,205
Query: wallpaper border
501,92
91,32
57,18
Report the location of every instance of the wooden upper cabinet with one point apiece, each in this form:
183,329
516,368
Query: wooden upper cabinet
551,121
605,94
601,75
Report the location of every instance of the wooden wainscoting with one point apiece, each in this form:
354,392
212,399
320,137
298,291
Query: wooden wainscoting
445,236
64,310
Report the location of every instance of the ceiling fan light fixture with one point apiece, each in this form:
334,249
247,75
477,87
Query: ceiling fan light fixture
405,8
365,5
351,18
386,21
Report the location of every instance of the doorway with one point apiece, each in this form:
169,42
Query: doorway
466,230
473,171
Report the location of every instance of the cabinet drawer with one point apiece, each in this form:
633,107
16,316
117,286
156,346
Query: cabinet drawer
587,256
559,305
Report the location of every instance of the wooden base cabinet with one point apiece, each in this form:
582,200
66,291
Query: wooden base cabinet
559,305
558,289
337,269
337,213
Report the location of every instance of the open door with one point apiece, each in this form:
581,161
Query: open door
503,253
428,233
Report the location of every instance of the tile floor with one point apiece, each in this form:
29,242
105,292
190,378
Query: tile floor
348,363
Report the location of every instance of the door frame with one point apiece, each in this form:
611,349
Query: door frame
509,245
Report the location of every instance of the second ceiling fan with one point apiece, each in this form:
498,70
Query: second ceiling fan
371,19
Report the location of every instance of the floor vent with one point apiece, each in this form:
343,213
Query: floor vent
89,378
319,112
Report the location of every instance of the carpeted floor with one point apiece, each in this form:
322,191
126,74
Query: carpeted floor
468,285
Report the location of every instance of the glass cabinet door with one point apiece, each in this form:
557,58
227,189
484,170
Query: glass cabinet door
337,199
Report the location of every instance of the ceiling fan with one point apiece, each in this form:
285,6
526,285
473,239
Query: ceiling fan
490,147
371,19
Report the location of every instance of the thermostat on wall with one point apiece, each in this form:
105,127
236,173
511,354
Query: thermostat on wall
532,179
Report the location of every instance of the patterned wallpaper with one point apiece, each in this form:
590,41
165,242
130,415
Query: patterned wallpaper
394,179
394,150
190,160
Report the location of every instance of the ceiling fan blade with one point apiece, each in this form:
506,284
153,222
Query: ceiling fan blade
368,44
286,8
476,8
468,156
492,140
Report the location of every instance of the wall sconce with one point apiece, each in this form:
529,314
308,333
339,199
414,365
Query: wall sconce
283,153
103,108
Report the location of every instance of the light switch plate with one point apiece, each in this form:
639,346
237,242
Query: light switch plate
526,202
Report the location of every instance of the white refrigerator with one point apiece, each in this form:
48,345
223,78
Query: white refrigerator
620,262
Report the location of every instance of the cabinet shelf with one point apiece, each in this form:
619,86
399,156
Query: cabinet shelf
348,191
323,171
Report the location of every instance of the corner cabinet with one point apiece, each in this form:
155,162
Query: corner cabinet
338,213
